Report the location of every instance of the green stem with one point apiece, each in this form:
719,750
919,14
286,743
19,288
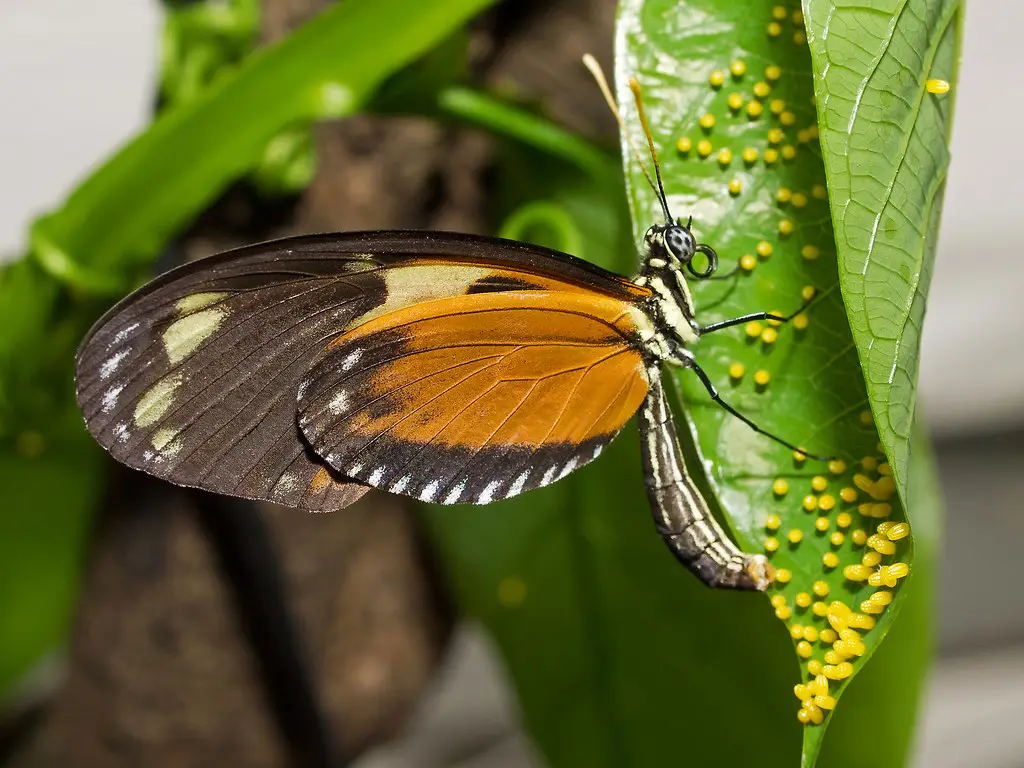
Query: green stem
488,112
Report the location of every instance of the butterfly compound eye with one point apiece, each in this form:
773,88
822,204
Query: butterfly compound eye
679,243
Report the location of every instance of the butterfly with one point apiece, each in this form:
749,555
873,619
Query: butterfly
446,367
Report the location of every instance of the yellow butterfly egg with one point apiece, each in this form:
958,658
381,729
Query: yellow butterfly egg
897,531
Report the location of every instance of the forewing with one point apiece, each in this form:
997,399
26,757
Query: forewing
477,397
193,378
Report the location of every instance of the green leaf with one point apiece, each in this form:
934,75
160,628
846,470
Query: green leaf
692,59
51,483
884,140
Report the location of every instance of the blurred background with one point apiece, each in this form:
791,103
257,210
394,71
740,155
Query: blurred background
77,79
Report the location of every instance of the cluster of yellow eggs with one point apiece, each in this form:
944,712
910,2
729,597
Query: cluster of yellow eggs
829,633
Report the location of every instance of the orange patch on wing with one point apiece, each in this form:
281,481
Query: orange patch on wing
517,368
320,482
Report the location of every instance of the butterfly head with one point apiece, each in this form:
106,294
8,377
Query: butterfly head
675,244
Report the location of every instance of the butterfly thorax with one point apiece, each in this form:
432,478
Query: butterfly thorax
670,307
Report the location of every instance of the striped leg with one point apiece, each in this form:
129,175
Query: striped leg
680,513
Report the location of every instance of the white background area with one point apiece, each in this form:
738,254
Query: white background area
76,79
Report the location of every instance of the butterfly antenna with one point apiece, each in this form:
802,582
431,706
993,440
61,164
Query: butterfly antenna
634,86
595,69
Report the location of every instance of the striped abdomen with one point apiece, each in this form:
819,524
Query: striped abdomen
680,513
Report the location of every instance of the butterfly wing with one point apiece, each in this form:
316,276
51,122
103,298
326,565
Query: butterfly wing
477,397
193,378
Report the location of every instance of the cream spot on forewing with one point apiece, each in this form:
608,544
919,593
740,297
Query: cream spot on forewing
427,494
156,400
121,432
519,484
162,441
351,360
415,284
455,493
339,403
184,336
548,476
110,398
401,484
123,335
196,301
487,494
597,452
353,469
111,363
287,483
375,476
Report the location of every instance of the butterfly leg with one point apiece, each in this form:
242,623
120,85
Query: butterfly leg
690,363
754,316
681,514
